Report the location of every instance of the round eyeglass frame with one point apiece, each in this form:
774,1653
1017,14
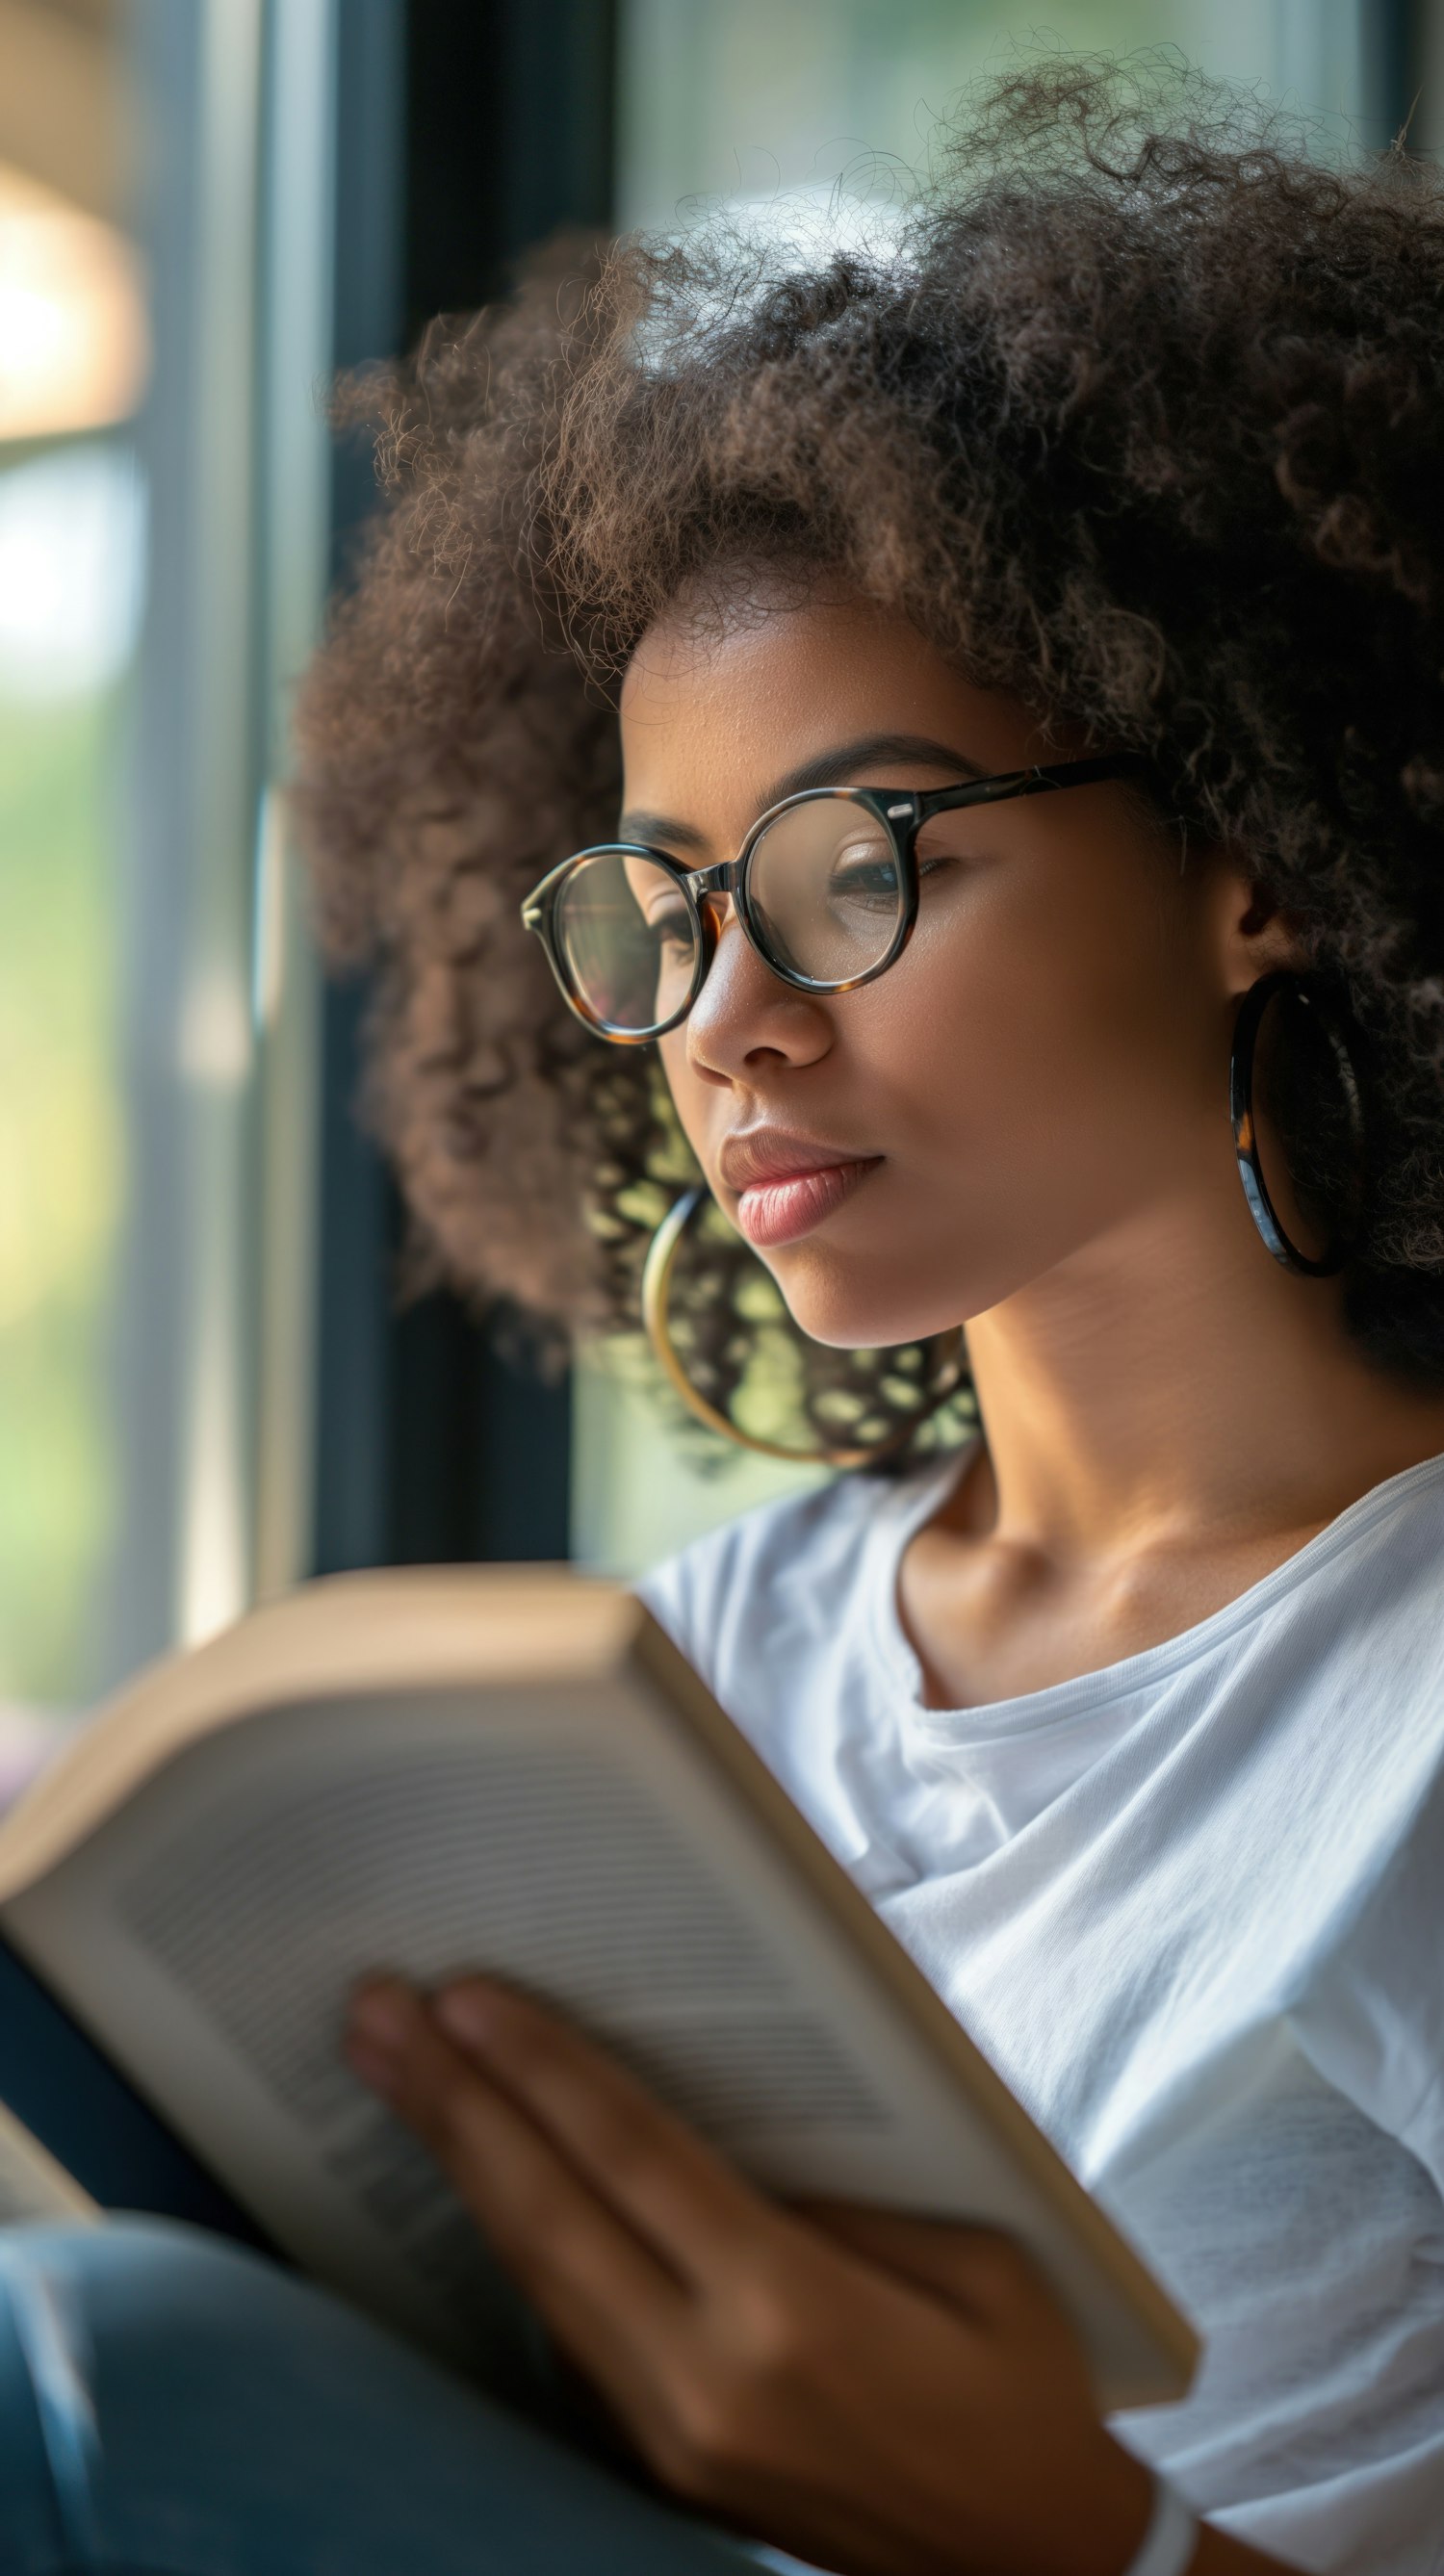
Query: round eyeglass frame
901,811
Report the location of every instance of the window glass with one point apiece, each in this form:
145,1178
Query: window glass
164,327
74,358
784,94
769,98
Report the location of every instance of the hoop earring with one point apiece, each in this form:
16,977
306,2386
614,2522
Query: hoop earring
1261,1208
657,1271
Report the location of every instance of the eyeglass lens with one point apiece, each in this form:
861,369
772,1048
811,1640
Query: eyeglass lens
627,938
826,890
827,898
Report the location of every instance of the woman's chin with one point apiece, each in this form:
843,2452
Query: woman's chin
863,1303
846,1324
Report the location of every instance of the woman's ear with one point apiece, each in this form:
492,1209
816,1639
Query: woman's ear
1254,935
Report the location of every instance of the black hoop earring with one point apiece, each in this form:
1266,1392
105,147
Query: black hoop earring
1312,996
944,1378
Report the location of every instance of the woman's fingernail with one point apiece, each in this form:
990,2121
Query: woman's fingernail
468,2014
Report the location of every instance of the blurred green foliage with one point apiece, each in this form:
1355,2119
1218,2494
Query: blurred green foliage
61,1180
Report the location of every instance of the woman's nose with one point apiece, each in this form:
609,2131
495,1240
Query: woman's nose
744,1009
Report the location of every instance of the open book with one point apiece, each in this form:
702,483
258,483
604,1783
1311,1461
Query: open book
512,1770
32,2185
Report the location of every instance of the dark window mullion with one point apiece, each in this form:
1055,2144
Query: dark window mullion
466,135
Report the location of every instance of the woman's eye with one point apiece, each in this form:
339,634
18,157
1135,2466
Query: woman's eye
670,929
871,877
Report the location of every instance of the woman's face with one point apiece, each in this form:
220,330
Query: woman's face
1042,1075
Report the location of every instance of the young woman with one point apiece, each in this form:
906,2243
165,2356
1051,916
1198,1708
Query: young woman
1026,905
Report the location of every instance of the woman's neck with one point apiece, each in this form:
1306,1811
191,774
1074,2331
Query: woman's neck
1168,1416
1150,1388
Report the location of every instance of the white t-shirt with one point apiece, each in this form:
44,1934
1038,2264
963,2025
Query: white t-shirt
1193,1909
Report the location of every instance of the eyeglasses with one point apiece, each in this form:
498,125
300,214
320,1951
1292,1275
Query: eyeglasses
825,887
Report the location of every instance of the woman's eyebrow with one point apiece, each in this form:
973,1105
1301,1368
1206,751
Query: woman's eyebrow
659,830
834,767
838,766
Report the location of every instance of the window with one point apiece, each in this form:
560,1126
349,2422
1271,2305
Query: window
164,325
74,362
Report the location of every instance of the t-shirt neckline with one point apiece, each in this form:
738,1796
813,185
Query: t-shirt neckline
895,1657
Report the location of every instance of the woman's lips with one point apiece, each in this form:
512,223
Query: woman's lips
778,1211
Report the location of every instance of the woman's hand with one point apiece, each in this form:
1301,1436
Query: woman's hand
884,2396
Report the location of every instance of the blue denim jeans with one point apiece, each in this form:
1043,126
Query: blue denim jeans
172,2406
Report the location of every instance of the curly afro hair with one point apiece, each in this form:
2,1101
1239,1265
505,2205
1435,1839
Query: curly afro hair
1138,415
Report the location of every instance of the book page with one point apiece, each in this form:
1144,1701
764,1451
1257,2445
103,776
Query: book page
32,2185
407,1627
570,1839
